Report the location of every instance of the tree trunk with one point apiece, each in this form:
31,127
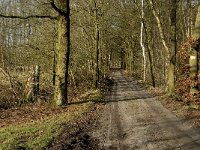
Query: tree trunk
123,66
36,88
54,68
96,47
194,54
159,26
171,69
54,59
62,55
60,89
141,42
150,56
196,32
189,18
68,47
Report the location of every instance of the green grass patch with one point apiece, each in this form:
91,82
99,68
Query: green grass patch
38,134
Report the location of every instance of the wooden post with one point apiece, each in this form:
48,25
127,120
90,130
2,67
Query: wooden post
36,87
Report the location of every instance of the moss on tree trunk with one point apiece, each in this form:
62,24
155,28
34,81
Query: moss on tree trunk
59,89
62,52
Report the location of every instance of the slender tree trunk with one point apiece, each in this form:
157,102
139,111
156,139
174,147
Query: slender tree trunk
96,47
36,81
159,26
123,66
54,60
54,66
189,18
141,42
196,32
150,56
171,69
68,38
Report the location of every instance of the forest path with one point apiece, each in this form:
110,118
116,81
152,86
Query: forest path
134,120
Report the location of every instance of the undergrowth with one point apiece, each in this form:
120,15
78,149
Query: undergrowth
185,81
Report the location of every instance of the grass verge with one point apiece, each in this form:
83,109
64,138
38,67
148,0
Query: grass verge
37,134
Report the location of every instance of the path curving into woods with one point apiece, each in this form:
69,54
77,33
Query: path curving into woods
134,120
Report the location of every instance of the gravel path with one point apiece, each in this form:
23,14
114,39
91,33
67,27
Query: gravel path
134,120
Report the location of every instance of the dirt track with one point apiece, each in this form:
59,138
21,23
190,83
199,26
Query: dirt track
134,120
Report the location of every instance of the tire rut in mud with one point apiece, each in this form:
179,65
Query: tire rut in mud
75,135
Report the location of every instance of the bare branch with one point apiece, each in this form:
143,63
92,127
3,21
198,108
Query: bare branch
61,12
28,17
